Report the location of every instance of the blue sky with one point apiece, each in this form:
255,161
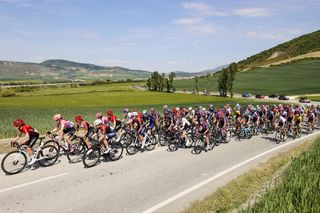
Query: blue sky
162,35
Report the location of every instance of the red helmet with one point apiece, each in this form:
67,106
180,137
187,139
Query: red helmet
110,113
18,122
140,115
79,118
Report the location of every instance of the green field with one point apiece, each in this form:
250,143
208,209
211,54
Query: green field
38,107
314,98
301,77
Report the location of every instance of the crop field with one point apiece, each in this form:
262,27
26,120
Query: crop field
295,78
299,190
38,107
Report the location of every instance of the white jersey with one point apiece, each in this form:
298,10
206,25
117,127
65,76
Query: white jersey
184,122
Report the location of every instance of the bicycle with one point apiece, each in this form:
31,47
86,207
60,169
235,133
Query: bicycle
92,156
135,145
73,153
14,162
280,135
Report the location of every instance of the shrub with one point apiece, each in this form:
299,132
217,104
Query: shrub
8,93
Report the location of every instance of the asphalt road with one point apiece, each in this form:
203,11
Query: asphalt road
156,181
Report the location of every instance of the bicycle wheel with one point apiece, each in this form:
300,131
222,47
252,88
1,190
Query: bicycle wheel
199,146
48,155
53,143
227,137
14,162
132,149
277,137
116,151
91,157
163,140
77,153
173,145
150,143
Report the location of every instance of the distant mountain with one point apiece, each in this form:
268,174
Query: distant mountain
304,44
57,69
211,71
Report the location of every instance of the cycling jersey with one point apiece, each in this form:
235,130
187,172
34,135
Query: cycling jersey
106,130
150,119
31,132
184,123
86,126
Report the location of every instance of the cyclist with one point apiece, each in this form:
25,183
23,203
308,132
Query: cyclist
281,125
204,129
184,125
105,132
113,121
149,121
297,120
88,129
64,128
104,119
31,136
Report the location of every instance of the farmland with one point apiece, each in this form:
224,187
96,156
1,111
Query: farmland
38,107
295,78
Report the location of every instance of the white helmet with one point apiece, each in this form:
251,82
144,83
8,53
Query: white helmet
97,122
190,108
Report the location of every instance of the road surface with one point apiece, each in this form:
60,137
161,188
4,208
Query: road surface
156,181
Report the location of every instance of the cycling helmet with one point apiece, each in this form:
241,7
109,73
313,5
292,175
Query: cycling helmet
165,106
190,108
97,122
201,119
57,117
125,110
18,122
110,113
204,109
79,118
99,115
152,110
211,106
144,111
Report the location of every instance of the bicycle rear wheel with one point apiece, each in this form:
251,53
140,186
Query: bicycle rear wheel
91,157
14,162
173,145
48,155
199,146
150,143
77,153
116,151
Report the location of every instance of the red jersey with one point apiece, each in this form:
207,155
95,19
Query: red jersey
85,125
113,119
27,130
104,129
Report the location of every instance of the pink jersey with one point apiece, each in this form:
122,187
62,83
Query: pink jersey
105,120
66,124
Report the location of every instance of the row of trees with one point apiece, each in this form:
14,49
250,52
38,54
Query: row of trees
159,82
226,79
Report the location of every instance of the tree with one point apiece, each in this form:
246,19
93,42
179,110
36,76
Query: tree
232,70
222,82
163,83
208,78
167,84
172,75
196,79
149,84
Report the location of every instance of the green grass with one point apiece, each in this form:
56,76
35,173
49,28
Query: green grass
299,190
38,107
301,77
236,193
314,98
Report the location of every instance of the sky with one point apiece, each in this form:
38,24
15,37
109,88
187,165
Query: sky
153,35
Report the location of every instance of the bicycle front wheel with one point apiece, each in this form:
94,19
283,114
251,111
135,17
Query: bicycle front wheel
14,162
91,157
48,155
116,151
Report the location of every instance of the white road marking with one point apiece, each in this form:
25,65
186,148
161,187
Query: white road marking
197,186
32,182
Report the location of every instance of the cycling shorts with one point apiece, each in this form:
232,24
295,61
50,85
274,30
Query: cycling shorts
32,139
69,131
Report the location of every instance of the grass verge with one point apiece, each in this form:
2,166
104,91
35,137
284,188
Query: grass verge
299,189
238,191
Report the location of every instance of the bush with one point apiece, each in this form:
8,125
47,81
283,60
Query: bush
8,93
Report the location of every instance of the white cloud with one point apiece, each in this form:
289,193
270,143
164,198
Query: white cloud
203,8
265,35
188,21
252,12
196,6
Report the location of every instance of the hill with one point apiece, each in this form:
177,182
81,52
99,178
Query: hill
294,78
55,70
304,44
